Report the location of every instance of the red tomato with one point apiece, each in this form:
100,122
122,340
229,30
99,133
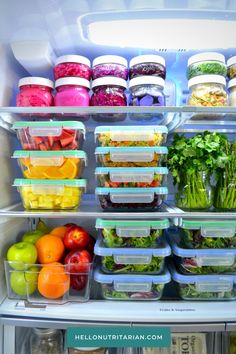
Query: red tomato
78,261
76,237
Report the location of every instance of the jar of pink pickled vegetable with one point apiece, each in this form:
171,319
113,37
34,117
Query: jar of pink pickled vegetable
72,65
35,91
108,91
110,65
72,91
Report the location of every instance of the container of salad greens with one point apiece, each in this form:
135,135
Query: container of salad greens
208,63
132,260
131,286
131,233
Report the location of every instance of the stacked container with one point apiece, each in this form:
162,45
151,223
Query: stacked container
231,72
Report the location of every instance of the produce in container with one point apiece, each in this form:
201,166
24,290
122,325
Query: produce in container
108,91
147,91
35,92
110,65
231,65
206,64
150,65
72,65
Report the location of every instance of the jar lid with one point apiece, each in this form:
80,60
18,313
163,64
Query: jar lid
109,80
147,80
232,83
87,349
33,80
147,59
105,59
206,56
73,59
231,61
203,79
78,81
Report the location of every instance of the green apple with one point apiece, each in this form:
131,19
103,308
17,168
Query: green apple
20,254
32,236
24,282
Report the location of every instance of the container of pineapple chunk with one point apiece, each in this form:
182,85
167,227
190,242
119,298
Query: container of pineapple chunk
50,194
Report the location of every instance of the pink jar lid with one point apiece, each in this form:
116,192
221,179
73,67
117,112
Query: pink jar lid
32,80
79,59
76,81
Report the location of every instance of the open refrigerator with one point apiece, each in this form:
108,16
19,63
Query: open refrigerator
32,35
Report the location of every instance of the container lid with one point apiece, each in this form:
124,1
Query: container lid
212,56
65,153
133,170
114,59
61,124
232,83
111,224
231,61
135,190
20,182
131,128
33,80
87,349
147,59
135,149
108,81
73,59
197,224
147,80
203,79
77,81
100,277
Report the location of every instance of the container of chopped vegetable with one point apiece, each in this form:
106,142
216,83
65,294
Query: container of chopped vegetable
132,260
131,286
131,136
231,67
131,156
131,233
204,287
123,177
206,64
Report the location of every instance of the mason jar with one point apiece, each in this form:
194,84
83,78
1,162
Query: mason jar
35,91
232,92
225,191
231,67
110,65
206,64
108,91
72,91
152,65
46,340
72,65
147,91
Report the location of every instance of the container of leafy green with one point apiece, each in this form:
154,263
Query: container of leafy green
206,64
132,260
131,286
131,233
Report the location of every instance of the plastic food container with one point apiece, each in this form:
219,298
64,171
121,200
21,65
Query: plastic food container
131,233
108,91
147,65
132,260
231,67
132,135
49,283
126,177
131,286
131,156
110,65
147,91
131,198
72,65
72,91
88,350
35,91
205,287
51,164
206,64
50,194
232,91
50,135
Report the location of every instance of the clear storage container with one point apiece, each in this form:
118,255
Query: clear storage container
231,67
132,135
35,91
50,135
153,65
51,164
108,91
72,65
132,260
225,188
131,233
126,177
232,92
206,64
136,199
87,350
147,91
46,340
131,156
110,65
50,194
72,91
131,286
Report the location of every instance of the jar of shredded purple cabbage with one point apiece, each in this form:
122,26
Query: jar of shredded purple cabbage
108,91
147,91
153,65
72,65
110,65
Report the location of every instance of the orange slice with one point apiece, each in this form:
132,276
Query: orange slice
35,172
69,169
25,161
53,172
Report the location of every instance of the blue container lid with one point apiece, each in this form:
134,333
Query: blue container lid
106,150
112,224
134,190
134,170
134,128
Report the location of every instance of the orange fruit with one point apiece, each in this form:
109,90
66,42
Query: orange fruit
69,169
50,249
53,281
25,161
59,231
53,172
35,172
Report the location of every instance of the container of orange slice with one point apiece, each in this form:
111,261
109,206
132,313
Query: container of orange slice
68,164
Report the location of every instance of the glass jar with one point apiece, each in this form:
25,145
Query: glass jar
232,92
72,91
206,64
153,65
88,350
35,91
225,191
72,65
231,67
110,65
108,91
46,340
147,91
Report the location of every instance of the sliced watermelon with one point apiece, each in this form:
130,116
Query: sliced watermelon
56,146
37,139
42,147
69,131
73,146
27,146
66,141
50,140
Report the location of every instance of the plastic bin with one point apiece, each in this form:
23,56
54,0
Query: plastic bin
131,233
132,260
131,156
143,177
50,135
67,164
50,194
131,135
131,286
135,199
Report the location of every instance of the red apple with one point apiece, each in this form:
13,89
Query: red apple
78,261
78,282
76,237
90,245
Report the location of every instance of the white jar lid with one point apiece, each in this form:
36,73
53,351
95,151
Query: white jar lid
231,83
77,81
87,349
107,59
147,59
33,80
206,56
73,59
109,80
231,61
203,79
147,80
